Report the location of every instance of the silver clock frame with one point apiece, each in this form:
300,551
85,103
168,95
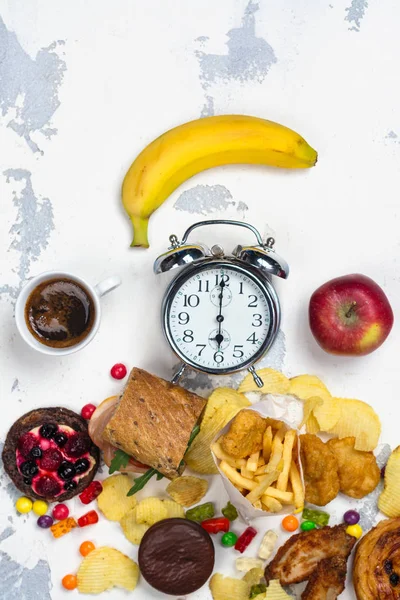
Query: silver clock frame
261,279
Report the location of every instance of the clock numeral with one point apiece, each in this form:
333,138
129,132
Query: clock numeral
241,287
206,286
257,320
237,353
253,303
252,338
218,358
188,336
184,318
202,346
193,300
224,278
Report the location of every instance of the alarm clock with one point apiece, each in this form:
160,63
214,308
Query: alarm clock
221,313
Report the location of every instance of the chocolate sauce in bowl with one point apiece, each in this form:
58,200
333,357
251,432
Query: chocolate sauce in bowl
60,313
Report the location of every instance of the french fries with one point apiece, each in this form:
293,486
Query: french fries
269,478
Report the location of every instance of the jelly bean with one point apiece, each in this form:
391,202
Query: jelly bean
45,521
355,531
89,518
229,539
118,371
87,411
245,539
40,507
23,505
351,517
60,512
290,523
307,526
91,492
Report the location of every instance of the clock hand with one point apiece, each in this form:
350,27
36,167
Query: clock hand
219,338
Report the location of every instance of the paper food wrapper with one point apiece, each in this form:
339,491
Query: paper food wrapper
288,410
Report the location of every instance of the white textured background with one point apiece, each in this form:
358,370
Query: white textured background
83,87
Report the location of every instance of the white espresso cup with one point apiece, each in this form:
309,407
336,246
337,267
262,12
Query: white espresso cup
95,293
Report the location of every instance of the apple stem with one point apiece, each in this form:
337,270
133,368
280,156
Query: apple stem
351,310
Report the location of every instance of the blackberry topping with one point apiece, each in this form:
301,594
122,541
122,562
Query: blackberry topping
394,579
70,485
36,452
27,481
81,465
78,444
48,430
388,566
60,439
66,470
29,468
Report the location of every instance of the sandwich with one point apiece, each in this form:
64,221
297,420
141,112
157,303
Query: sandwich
151,422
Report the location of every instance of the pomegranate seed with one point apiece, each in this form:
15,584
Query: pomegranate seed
89,518
91,492
87,411
118,371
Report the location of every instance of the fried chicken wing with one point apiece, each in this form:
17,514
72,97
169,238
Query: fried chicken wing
358,471
328,580
245,435
298,558
320,470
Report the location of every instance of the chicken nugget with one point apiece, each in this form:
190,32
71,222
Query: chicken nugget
320,470
358,471
245,435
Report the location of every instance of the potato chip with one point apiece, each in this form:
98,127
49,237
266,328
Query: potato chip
306,386
358,420
308,408
228,588
105,568
261,596
174,510
222,406
276,592
328,413
150,511
312,425
274,382
389,500
113,500
254,575
133,531
187,491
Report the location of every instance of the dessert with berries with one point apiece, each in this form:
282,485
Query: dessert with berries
49,455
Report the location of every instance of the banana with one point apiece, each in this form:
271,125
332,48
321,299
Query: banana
198,145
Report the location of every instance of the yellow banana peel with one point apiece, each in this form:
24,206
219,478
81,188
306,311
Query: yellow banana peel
202,144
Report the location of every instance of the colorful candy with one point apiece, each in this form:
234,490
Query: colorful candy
355,531
40,507
45,521
63,527
245,539
86,548
290,523
216,525
229,539
87,411
351,517
230,512
60,512
267,544
118,371
307,526
23,505
69,582
89,518
201,512
319,517
91,492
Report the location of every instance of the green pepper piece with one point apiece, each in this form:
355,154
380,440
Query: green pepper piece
230,512
259,588
201,513
319,517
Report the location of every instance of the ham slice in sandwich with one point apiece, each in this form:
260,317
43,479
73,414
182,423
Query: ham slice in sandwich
151,421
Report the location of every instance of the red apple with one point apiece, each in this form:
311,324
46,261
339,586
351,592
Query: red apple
350,315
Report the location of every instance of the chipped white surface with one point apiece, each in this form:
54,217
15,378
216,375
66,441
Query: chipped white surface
83,89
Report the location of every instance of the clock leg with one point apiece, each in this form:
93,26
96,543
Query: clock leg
178,374
258,381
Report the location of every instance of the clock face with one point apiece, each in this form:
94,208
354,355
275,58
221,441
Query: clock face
220,317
